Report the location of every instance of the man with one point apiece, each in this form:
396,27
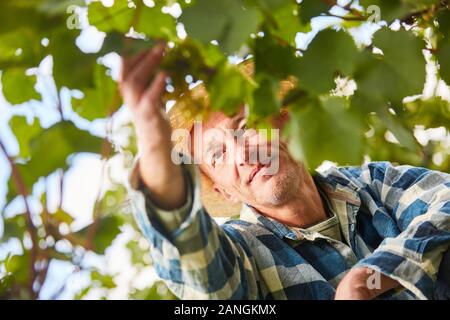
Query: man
349,233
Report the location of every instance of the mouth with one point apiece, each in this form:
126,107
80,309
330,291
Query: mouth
254,173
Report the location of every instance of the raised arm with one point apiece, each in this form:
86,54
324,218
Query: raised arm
194,256
160,175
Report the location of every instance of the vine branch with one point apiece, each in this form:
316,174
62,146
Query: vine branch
18,181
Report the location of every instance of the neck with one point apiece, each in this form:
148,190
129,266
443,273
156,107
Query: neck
302,211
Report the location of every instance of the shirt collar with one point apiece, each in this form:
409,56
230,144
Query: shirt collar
331,189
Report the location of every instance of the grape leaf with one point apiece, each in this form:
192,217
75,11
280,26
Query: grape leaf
275,59
117,42
156,24
404,136
228,21
72,68
105,280
387,78
287,23
65,139
431,113
265,101
108,227
102,100
14,227
444,22
19,48
397,9
323,129
24,132
18,87
15,266
63,217
443,49
115,18
330,53
313,8
25,14
230,97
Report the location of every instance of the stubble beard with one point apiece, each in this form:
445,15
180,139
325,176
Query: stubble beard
283,187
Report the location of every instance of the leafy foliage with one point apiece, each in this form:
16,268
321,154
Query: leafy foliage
327,121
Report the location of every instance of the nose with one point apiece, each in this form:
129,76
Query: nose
241,152
246,150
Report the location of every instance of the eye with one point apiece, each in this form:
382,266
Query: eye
243,126
240,132
217,156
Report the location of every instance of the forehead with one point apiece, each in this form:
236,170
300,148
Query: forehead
212,127
222,121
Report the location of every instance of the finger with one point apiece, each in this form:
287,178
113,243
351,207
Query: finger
143,70
128,63
153,95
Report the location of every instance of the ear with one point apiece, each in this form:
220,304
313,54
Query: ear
224,193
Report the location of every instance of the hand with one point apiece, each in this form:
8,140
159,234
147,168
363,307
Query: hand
144,97
161,176
363,284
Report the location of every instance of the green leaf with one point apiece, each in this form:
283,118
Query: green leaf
72,68
20,48
6,282
431,113
107,229
444,22
25,14
24,132
18,87
14,227
267,5
275,59
105,280
137,254
115,18
158,291
113,200
80,295
230,97
156,24
287,23
265,100
390,9
313,8
62,217
323,129
64,139
443,46
397,9
101,101
444,62
330,54
119,43
228,21
387,78
404,135
58,7
17,266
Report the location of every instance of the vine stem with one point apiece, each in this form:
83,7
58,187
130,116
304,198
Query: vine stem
432,9
18,180
347,18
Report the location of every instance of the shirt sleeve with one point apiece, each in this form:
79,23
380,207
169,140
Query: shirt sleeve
194,256
418,201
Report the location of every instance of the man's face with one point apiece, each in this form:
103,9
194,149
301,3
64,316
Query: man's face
243,165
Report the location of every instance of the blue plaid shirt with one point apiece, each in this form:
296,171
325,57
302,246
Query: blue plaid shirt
393,219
